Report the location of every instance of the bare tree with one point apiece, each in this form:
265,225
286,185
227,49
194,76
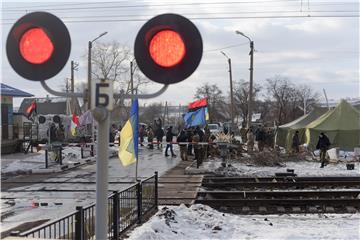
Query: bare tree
308,97
111,61
241,97
151,112
215,101
282,91
289,98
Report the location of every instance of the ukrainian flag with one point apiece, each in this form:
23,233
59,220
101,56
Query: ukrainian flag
128,148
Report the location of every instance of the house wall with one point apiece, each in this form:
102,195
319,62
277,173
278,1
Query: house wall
6,118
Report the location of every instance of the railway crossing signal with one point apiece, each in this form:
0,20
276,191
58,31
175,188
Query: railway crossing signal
38,46
168,48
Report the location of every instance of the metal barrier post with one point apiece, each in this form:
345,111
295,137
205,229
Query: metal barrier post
82,152
115,215
139,200
92,150
156,189
46,159
60,155
79,223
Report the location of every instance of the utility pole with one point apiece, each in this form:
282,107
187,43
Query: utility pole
249,117
131,80
251,84
231,95
74,66
89,76
231,91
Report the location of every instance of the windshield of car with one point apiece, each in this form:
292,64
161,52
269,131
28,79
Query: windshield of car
213,127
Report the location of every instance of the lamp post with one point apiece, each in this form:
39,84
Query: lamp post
251,77
89,68
231,90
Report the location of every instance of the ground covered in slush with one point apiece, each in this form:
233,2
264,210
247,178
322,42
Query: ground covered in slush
203,222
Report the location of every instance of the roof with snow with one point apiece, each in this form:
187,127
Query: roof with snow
6,90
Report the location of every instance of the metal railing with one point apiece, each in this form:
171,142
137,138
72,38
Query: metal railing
125,208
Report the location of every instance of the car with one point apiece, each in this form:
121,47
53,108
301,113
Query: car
214,128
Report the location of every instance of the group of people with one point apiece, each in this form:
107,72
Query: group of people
183,138
263,138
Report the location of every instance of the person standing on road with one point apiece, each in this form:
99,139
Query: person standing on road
181,139
295,142
141,135
250,140
159,137
169,138
323,144
150,135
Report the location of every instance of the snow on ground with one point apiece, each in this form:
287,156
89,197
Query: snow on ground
17,202
202,222
302,168
20,162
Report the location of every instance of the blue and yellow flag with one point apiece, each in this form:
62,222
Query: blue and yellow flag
196,118
128,148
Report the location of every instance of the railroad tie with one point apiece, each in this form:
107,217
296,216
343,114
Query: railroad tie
296,209
329,209
262,209
281,209
246,209
350,209
313,209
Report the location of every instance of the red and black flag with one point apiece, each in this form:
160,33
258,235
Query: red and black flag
32,108
197,104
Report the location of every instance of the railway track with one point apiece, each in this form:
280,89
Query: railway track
281,194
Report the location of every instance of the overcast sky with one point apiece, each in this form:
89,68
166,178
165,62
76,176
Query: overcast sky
322,52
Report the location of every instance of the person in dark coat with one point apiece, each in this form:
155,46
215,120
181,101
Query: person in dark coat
169,138
150,136
323,144
260,138
190,135
141,135
159,136
181,139
295,142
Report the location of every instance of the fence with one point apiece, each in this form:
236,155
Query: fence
125,208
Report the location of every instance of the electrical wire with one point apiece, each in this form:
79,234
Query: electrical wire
208,18
175,4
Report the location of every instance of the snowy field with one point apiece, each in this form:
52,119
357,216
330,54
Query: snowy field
203,222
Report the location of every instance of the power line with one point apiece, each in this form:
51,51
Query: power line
189,14
176,4
169,4
209,18
230,46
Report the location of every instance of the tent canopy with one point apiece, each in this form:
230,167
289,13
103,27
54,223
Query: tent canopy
286,132
341,125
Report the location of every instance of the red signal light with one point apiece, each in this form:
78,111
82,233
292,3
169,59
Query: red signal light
35,46
167,48
38,46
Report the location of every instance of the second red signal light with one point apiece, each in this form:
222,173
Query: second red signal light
168,48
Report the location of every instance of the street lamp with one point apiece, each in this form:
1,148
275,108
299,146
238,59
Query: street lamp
89,67
231,90
251,77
